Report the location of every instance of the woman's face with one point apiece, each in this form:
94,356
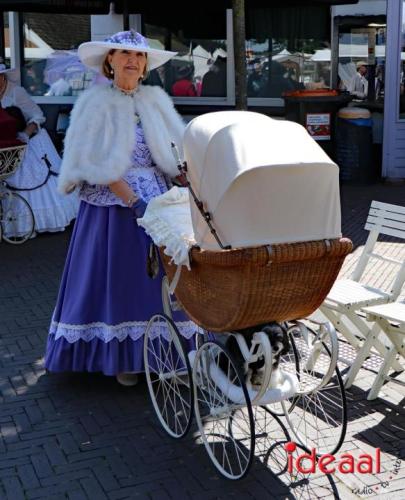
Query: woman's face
127,64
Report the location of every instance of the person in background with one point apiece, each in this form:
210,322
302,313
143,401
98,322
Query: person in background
198,85
155,78
255,80
184,86
379,82
32,77
52,212
277,82
214,81
358,85
118,152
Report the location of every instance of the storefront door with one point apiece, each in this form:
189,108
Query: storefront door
361,72
394,113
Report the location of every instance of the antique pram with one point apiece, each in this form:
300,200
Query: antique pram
267,247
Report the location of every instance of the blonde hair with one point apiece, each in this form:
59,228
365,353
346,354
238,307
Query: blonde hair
106,68
146,71
108,72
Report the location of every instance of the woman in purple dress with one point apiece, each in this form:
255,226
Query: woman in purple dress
118,155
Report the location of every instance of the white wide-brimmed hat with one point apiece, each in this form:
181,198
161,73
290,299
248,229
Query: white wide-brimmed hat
4,68
93,54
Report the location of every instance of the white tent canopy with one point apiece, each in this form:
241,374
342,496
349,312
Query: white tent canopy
201,59
350,51
263,180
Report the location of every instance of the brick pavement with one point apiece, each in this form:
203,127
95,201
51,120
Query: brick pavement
82,436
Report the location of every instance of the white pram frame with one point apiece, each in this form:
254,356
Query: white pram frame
238,282
230,415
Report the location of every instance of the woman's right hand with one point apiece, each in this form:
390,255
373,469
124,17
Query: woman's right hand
22,136
180,180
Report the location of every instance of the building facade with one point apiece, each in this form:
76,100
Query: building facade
293,47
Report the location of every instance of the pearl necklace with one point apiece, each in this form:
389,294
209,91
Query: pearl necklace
129,93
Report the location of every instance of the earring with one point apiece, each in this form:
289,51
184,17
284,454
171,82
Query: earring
111,71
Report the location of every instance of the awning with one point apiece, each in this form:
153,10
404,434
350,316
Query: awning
210,21
179,9
56,6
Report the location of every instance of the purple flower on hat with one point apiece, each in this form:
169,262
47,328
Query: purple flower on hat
129,38
93,53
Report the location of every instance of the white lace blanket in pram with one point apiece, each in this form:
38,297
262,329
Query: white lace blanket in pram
167,221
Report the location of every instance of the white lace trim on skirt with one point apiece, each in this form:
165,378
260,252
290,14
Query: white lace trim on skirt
133,329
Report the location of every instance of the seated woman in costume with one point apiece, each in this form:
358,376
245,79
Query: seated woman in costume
52,211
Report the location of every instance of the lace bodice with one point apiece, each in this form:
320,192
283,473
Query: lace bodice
143,176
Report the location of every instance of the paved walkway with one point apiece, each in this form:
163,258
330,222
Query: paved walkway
81,436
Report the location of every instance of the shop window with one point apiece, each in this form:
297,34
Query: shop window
287,49
362,59
198,70
51,65
402,67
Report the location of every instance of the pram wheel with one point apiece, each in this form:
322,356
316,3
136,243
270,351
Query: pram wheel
317,415
168,375
16,218
223,410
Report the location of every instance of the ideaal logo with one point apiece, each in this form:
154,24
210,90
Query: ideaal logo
346,463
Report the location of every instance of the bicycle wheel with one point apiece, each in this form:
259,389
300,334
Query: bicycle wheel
16,218
168,375
223,410
317,415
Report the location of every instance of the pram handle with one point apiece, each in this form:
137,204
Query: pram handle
182,166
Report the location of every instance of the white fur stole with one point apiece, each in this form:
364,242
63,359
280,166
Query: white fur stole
101,136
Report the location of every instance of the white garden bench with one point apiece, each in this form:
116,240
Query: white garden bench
347,299
391,319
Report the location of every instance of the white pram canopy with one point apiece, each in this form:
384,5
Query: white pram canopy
263,180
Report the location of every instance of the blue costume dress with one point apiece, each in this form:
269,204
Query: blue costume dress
106,297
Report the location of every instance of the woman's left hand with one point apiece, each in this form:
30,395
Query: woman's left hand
138,208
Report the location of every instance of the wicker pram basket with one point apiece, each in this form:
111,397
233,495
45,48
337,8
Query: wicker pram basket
234,289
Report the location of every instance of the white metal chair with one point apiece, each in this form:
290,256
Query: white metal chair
344,303
391,320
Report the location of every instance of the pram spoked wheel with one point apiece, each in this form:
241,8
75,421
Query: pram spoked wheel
317,414
168,375
220,391
17,222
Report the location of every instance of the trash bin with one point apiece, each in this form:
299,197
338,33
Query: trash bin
316,110
354,145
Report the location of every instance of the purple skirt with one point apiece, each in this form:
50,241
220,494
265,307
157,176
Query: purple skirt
106,297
